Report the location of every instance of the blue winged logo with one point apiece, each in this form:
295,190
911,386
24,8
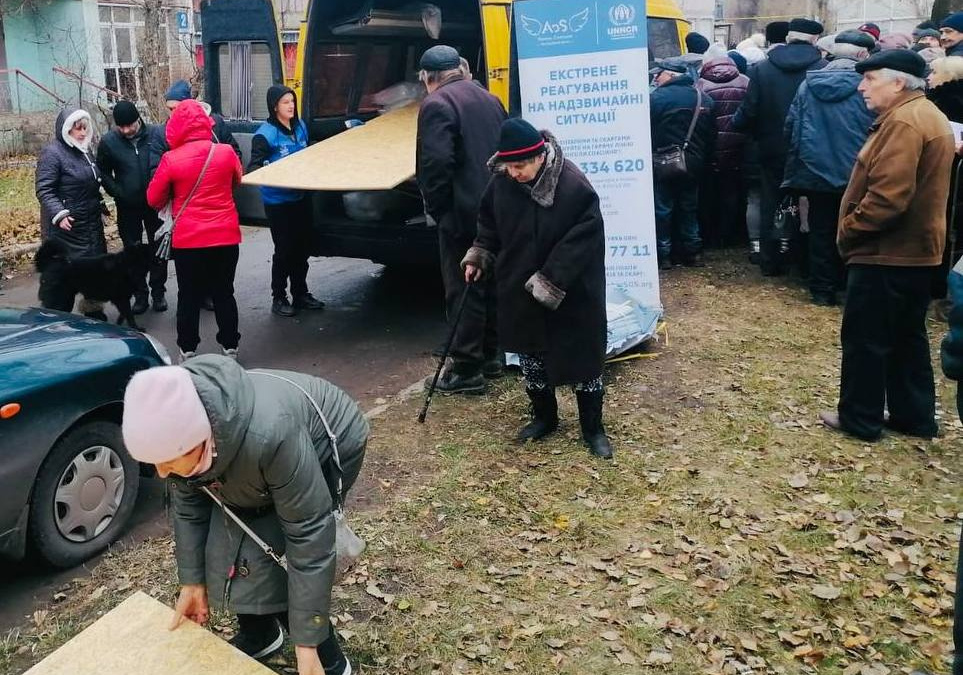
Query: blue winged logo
578,21
532,26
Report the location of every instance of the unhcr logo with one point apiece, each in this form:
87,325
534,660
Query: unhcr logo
622,18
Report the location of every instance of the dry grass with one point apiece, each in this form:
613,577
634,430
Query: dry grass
704,548
19,210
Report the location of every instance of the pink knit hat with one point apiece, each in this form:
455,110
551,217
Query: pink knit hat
163,416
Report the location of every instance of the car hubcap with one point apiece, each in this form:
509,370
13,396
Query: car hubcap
89,493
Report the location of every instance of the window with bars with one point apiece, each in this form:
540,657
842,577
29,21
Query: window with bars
244,76
121,30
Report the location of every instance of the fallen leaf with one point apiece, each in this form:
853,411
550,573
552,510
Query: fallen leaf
798,480
657,657
610,636
555,643
825,591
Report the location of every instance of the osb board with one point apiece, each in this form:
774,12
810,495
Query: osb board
379,155
134,638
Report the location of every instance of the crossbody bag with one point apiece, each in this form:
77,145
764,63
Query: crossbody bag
348,544
165,234
669,162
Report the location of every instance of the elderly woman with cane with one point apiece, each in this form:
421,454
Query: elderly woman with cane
540,233
258,462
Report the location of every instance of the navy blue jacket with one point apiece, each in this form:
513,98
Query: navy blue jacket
671,106
951,353
827,106
772,87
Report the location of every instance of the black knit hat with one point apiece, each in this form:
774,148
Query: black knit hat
439,59
903,60
519,141
807,26
696,43
125,113
776,32
856,37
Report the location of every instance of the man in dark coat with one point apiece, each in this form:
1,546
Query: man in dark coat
721,211
951,34
671,111
892,230
827,106
123,158
541,236
458,127
772,87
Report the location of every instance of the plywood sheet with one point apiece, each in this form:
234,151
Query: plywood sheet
133,638
379,155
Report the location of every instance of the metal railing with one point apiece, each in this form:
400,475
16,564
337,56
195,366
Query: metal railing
84,81
21,75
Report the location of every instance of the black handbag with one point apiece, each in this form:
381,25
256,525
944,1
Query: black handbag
669,162
785,223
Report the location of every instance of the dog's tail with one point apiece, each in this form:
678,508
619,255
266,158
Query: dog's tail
50,251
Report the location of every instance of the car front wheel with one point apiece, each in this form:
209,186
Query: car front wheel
84,494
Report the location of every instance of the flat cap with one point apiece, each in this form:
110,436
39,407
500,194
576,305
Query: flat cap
903,60
856,37
673,63
439,58
807,26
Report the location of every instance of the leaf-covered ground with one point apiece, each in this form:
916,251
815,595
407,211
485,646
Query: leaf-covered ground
732,534
19,210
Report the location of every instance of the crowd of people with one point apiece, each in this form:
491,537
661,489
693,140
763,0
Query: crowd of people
781,121
833,154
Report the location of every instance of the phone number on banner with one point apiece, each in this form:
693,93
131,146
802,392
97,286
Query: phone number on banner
618,166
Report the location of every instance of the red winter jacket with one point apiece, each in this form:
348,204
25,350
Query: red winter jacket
210,218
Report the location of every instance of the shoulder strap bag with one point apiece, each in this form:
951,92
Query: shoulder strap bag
165,233
349,545
669,162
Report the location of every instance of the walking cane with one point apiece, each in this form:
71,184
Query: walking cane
444,357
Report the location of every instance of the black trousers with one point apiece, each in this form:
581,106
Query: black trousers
293,241
722,208
826,272
132,223
476,339
201,273
886,353
771,179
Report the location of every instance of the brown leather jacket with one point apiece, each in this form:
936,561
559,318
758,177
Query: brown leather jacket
894,208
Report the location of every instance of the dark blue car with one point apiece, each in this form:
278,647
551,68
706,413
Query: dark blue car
67,485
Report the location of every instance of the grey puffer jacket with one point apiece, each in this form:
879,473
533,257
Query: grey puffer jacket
68,184
270,448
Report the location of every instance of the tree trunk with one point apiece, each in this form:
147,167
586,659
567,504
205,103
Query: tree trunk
151,51
943,7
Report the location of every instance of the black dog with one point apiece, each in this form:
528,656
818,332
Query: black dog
110,277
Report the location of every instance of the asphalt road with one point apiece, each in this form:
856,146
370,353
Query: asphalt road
373,340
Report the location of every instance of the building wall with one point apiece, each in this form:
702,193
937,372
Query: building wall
40,38
701,15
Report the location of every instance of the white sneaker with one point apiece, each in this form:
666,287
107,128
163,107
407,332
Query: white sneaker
229,353
186,355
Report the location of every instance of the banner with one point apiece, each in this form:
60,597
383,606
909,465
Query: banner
583,75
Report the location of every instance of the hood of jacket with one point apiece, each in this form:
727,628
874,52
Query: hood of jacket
542,191
274,94
188,123
833,85
794,57
227,393
720,70
65,121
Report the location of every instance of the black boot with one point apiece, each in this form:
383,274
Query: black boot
140,304
258,636
590,419
544,415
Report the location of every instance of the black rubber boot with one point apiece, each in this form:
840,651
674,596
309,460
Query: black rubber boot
544,415
590,419
258,636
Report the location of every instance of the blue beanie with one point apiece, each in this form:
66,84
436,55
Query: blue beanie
739,60
179,91
954,21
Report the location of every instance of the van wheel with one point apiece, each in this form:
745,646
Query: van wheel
84,494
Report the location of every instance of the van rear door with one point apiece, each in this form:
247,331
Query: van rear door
242,59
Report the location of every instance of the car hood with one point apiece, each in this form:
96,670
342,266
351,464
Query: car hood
22,329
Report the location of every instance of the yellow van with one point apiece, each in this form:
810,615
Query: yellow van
350,53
